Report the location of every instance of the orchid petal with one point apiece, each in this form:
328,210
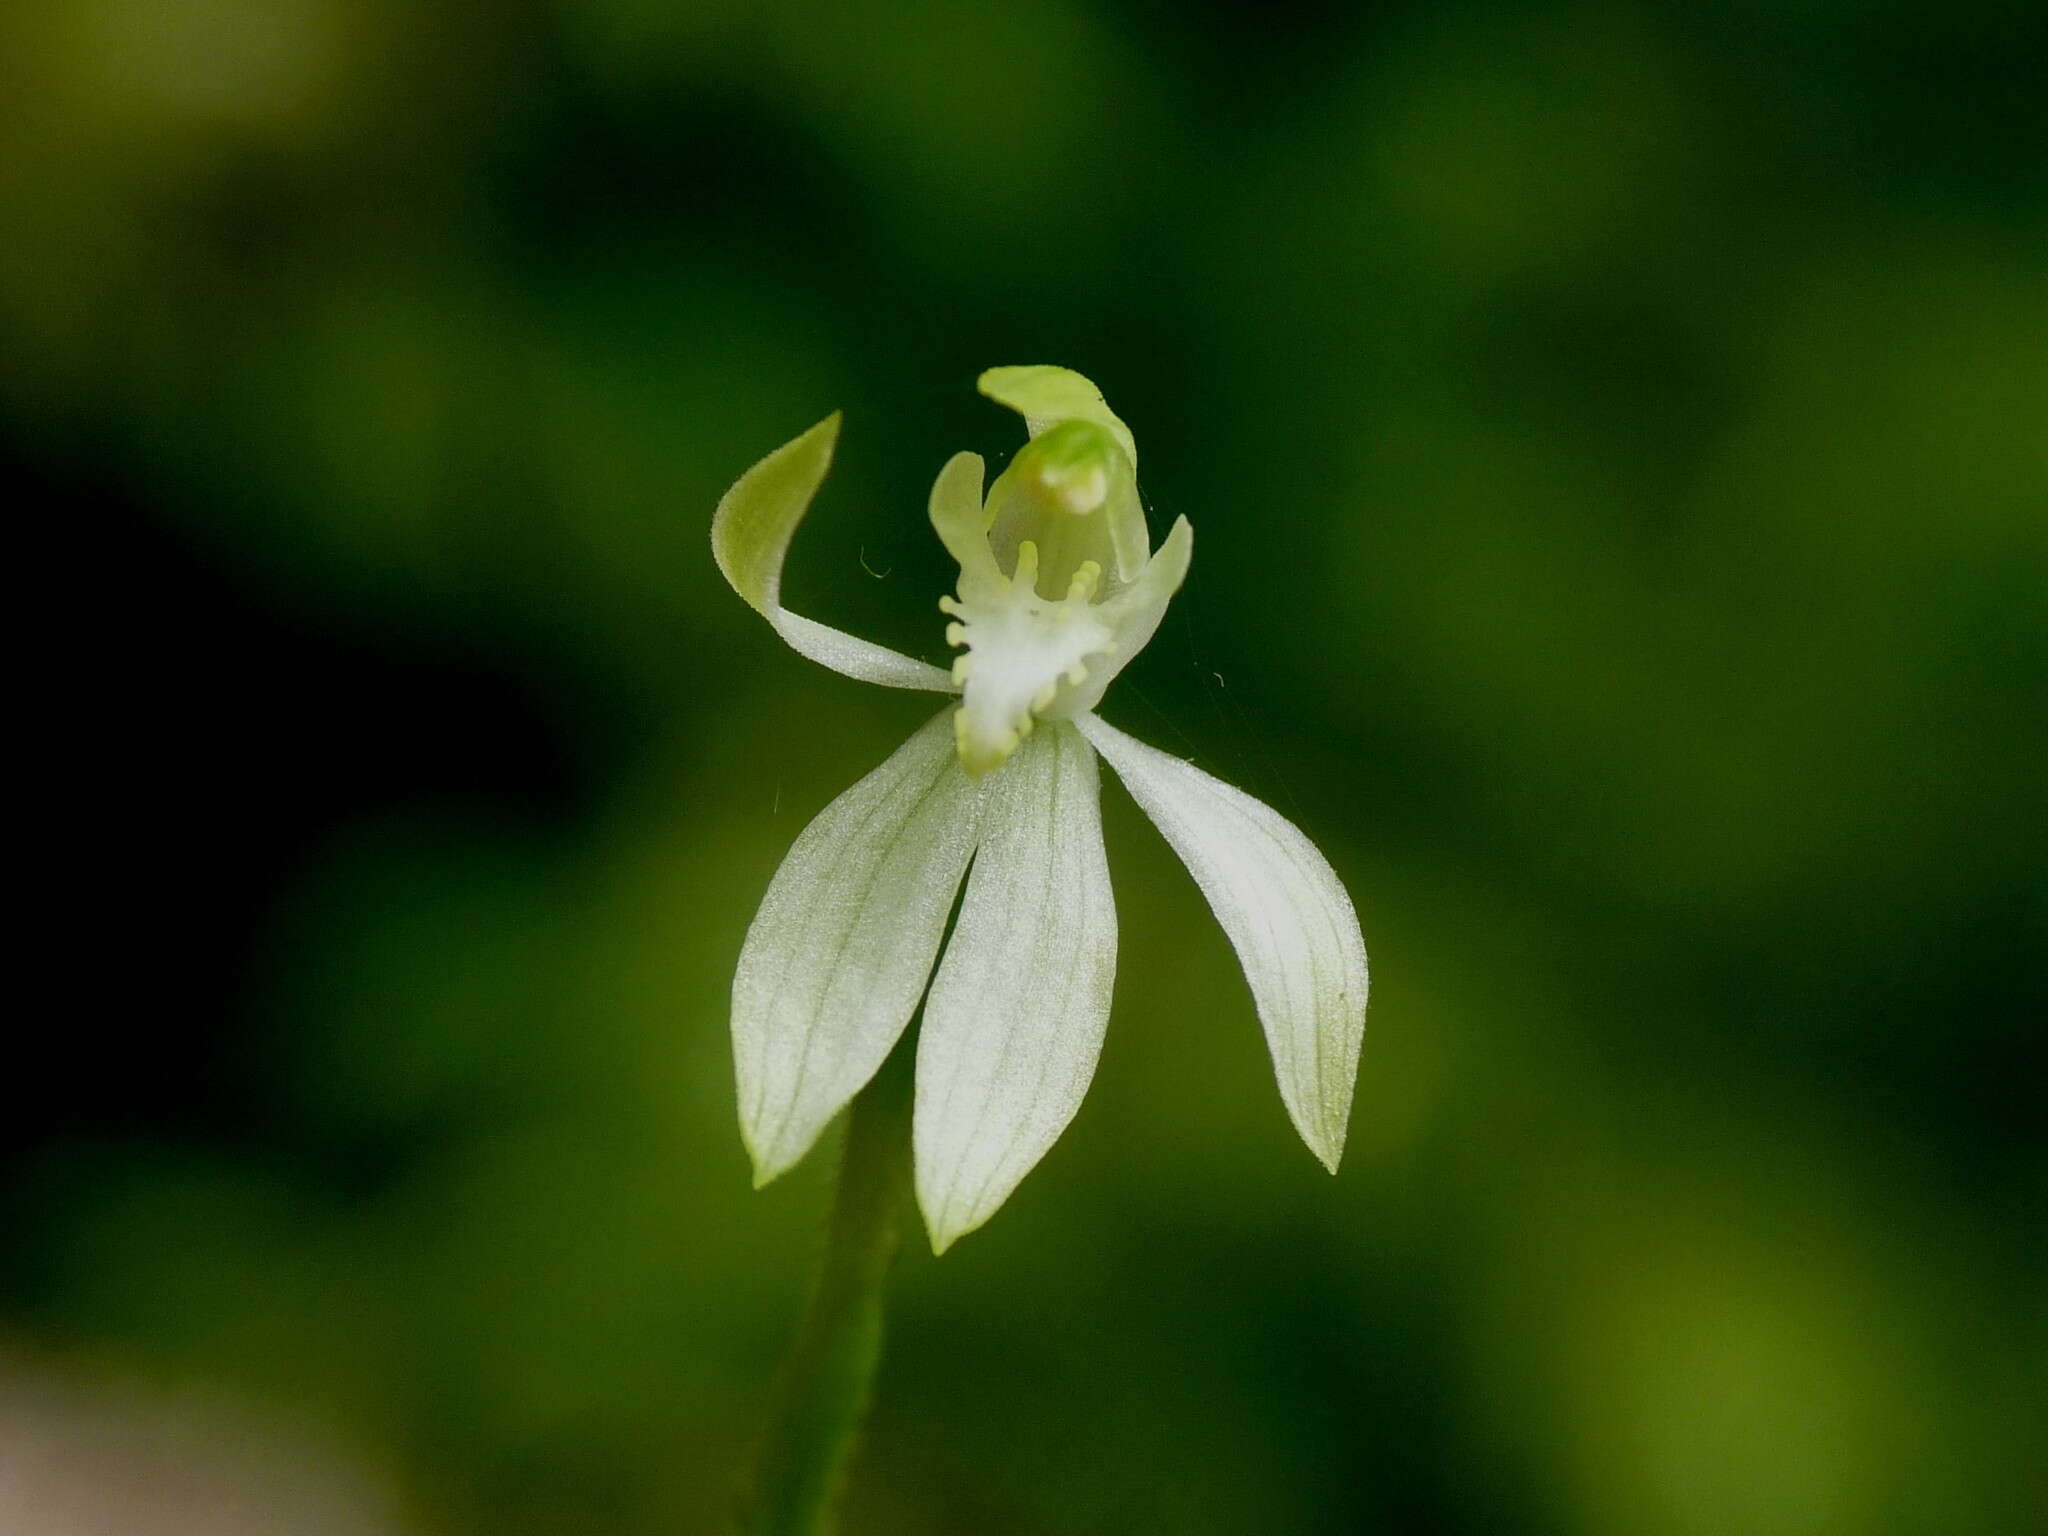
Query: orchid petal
839,953
1286,915
750,536
958,519
1014,1023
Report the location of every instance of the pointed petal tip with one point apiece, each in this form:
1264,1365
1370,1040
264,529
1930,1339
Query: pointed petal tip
821,438
944,1234
944,1223
1325,1143
768,1158
765,1168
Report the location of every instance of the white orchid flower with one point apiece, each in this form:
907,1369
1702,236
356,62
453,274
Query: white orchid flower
1059,589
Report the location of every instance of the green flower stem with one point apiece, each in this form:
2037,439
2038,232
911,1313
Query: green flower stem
831,1371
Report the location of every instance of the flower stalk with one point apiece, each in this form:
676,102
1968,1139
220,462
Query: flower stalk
829,1380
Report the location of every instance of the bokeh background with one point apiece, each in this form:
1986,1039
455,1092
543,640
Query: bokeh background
1618,440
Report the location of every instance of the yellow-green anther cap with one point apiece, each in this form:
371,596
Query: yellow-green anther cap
1070,468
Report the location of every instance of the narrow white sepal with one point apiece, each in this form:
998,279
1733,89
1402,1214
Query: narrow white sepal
841,948
750,536
862,660
1287,916
1014,1023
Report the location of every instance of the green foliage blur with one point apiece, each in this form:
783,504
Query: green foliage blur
1617,440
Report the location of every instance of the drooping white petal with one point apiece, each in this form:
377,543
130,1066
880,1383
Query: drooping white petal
841,948
1014,1022
750,536
1286,915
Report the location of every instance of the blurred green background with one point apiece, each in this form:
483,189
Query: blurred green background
1617,436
